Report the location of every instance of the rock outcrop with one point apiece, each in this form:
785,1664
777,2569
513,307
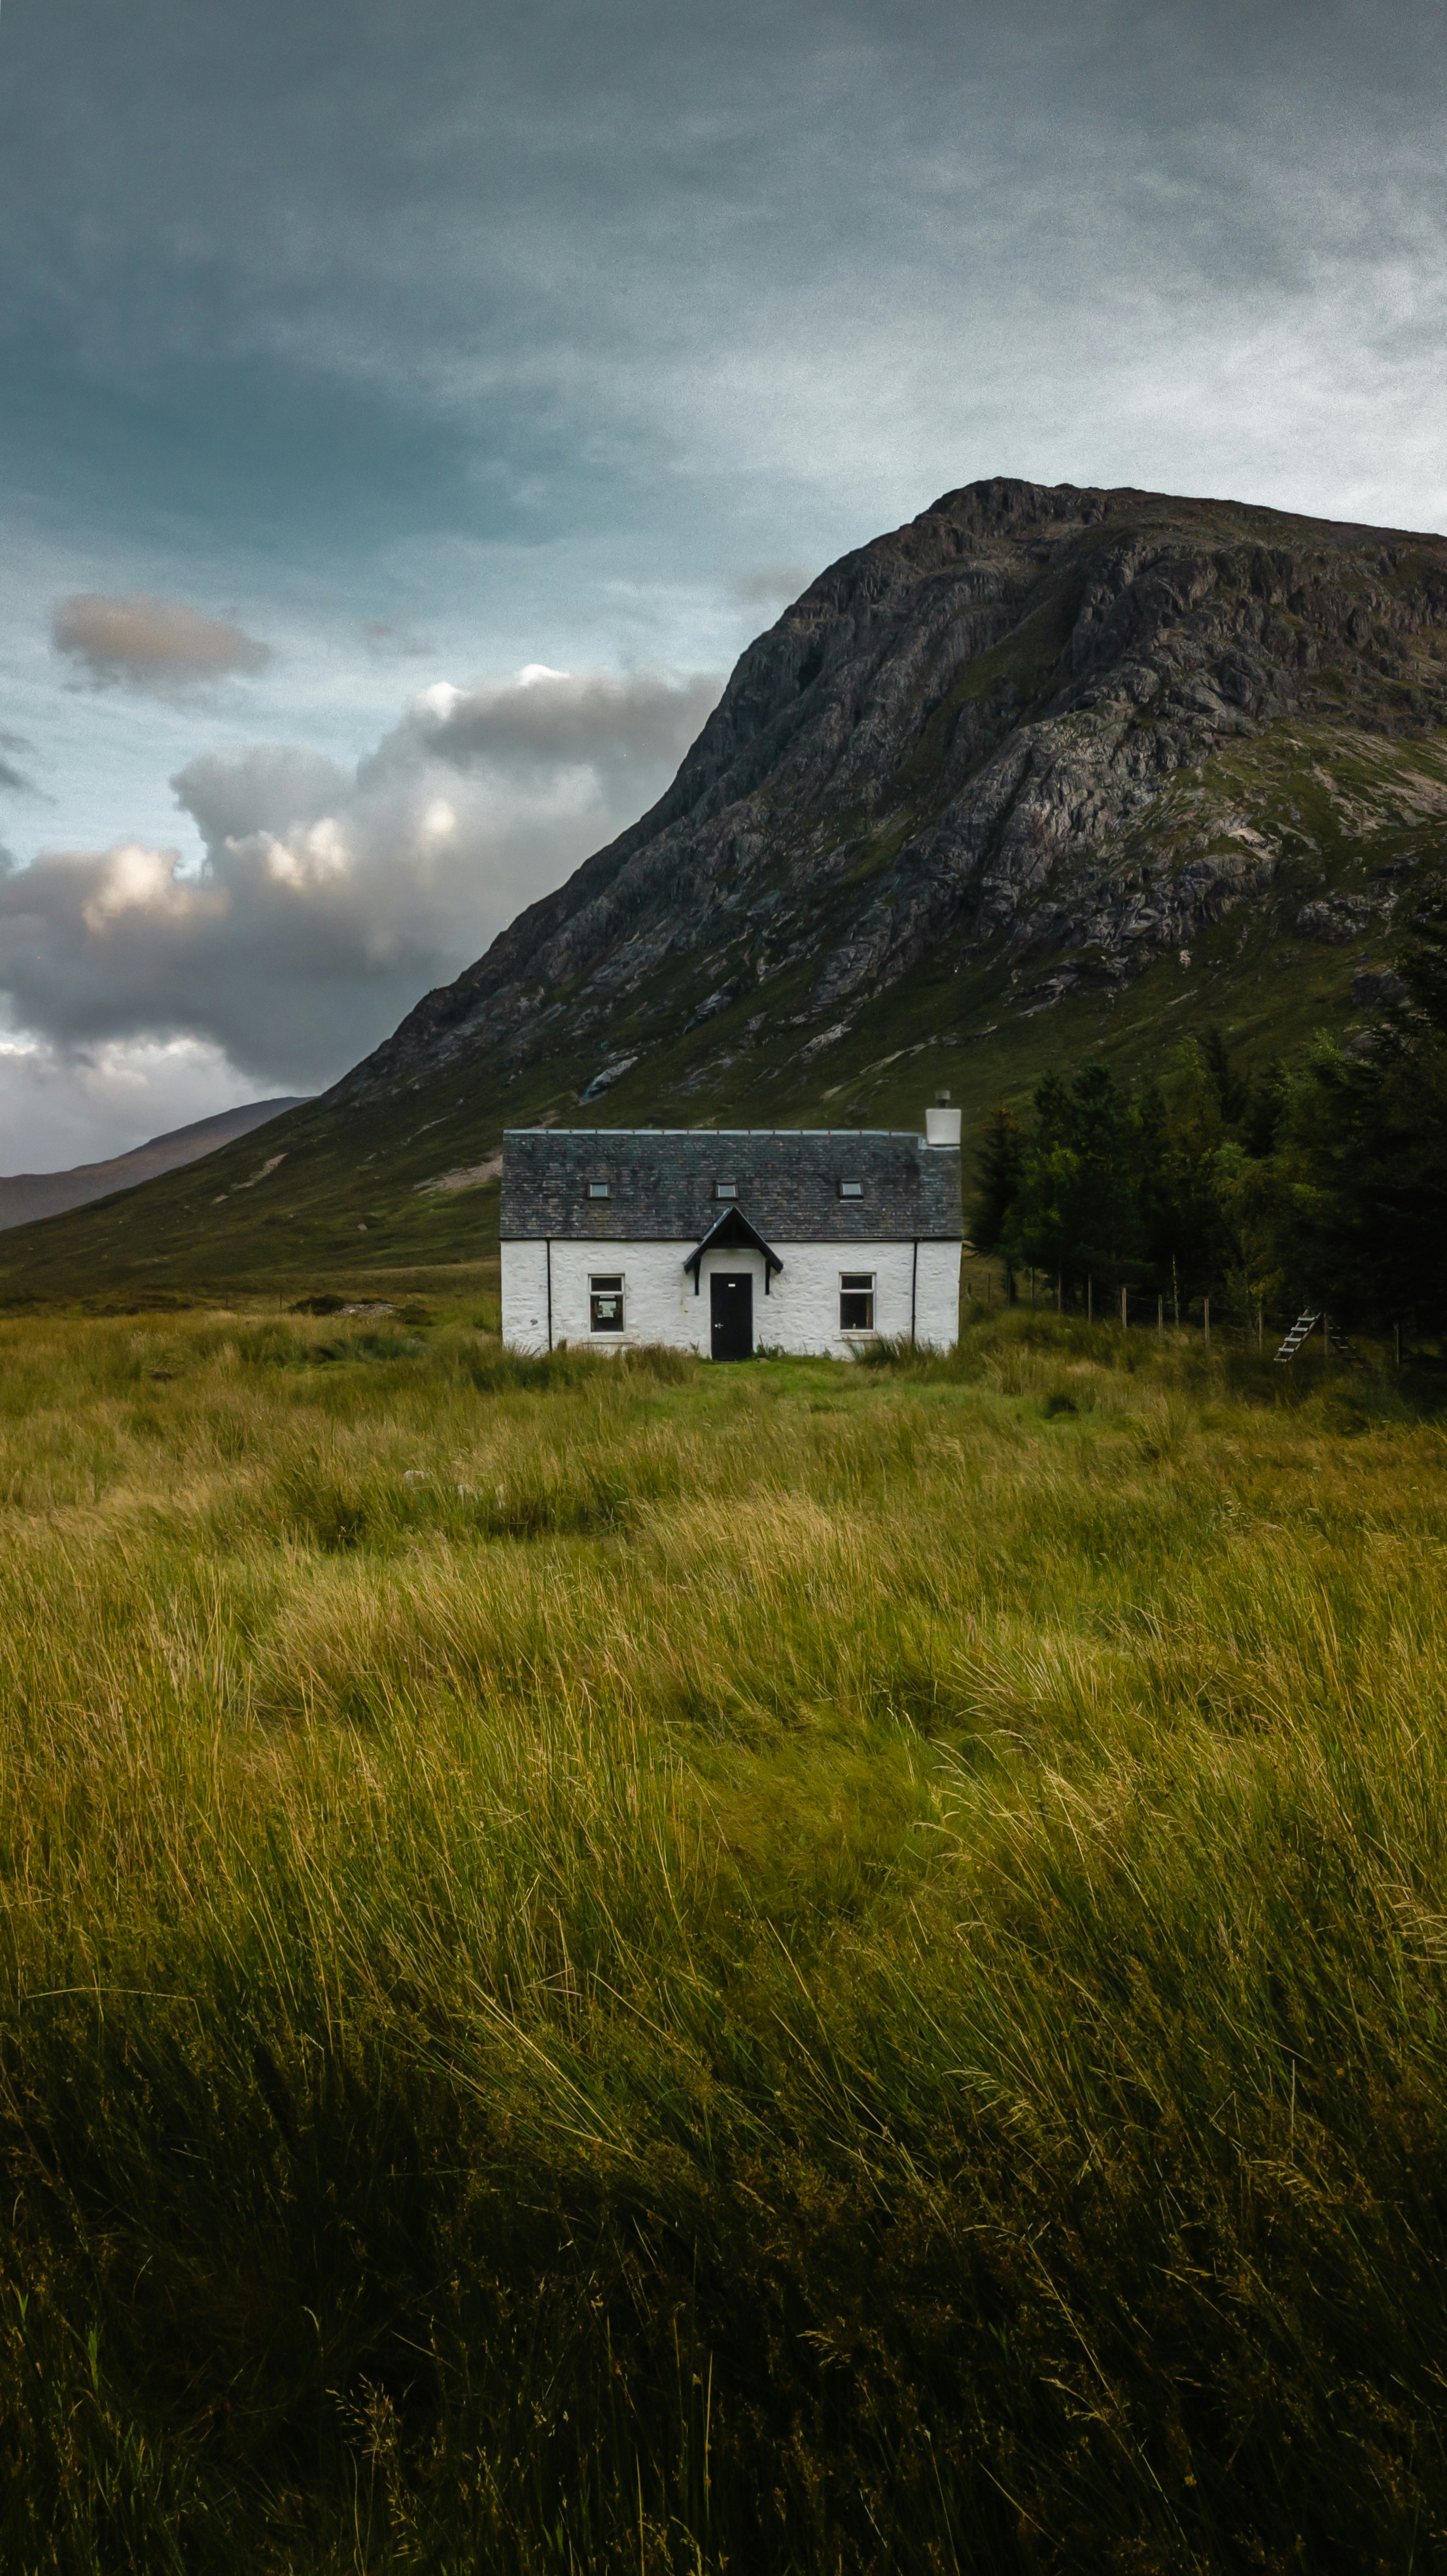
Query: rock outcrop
1002,727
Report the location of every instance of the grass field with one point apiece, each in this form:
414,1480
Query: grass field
798,1968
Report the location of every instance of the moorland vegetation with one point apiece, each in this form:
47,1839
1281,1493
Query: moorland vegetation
621,1966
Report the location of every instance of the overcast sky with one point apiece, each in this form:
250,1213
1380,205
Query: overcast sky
409,412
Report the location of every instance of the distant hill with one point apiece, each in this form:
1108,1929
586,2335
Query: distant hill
28,1195
1046,770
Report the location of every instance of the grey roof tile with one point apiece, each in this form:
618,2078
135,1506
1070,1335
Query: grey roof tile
661,1184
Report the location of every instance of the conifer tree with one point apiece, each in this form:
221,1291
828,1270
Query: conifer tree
1365,1153
997,1179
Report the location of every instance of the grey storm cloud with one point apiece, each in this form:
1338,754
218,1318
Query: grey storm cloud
159,645
545,722
610,255
329,900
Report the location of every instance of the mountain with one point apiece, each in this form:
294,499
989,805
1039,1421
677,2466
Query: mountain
25,1195
1044,770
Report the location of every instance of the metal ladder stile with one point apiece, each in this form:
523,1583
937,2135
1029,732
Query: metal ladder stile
1338,1343
1305,1323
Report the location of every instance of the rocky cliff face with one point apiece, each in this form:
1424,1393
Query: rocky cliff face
1053,732
1043,773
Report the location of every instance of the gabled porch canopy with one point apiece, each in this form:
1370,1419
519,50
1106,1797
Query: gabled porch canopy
732,1232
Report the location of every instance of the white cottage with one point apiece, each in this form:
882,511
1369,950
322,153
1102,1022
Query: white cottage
729,1240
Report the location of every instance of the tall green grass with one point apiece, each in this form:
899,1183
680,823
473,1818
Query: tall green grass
621,1966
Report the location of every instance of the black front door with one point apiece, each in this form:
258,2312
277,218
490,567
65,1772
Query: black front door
731,1314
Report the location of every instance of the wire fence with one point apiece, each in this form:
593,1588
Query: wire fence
1311,1333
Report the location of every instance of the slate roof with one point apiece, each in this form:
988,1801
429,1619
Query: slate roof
661,1184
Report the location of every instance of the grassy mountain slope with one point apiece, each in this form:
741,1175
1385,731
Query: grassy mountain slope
28,1195
1042,771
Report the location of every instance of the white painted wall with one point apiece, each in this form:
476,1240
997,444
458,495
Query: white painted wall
800,1313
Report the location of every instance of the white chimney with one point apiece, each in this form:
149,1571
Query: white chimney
941,1122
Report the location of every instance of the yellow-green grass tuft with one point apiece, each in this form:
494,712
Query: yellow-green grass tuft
627,1966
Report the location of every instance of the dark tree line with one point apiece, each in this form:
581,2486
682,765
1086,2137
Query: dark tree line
1322,1183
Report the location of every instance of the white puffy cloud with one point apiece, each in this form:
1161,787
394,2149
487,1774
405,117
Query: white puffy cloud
157,645
267,787
327,901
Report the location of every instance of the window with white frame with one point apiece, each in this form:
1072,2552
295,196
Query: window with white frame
605,1301
856,1301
